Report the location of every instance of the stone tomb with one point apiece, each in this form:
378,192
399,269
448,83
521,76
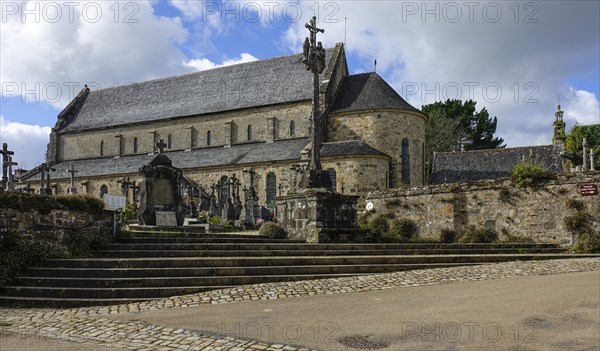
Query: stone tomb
319,215
161,202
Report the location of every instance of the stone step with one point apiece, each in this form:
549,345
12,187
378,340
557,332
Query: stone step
104,293
205,238
125,245
158,282
60,302
180,262
187,231
316,252
76,273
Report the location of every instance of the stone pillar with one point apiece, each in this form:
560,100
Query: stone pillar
189,138
228,133
270,129
592,166
584,144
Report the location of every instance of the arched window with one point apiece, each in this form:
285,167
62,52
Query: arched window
102,148
292,128
405,162
224,189
271,188
169,142
135,145
249,132
333,175
103,190
208,138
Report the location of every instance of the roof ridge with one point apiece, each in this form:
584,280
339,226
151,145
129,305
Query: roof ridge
496,149
198,72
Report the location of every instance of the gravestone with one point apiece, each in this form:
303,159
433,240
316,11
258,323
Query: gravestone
161,202
72,189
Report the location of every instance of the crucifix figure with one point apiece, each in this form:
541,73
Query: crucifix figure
72,171
5,163
161,146
314,59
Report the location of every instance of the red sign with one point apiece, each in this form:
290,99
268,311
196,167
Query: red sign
588,189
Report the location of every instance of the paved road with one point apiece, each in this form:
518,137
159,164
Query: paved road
551,312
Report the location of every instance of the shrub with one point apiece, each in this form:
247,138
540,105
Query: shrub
24,254
401,230
80,243
479,235
44,204
272,230
528,173
129,212
578,222
448,235
587,242
83,203
214,220
576,205
378,227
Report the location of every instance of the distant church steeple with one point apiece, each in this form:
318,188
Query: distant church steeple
559,137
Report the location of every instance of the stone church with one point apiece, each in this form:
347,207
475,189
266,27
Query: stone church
248,121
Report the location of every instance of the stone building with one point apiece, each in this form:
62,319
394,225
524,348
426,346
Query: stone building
250,118
489,164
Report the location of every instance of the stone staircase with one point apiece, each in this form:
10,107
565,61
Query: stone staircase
153,264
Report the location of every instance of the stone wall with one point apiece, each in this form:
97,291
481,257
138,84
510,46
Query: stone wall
187,133
51,224
384,130
536,212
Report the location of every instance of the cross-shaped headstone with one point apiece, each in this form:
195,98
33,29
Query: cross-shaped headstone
6,153
72,172
161,146
10,168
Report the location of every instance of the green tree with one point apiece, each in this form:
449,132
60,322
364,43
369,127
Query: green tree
453,121
575,140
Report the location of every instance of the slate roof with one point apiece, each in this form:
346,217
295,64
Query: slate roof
367,91
281,150
258,83
453,167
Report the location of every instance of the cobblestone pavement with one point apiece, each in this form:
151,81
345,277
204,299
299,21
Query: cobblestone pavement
87,325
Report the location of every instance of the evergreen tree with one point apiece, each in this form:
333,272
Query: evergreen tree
575,139
454,122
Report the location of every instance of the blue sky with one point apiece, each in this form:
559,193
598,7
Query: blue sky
514,58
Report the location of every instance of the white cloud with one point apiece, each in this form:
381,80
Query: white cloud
204,63
49,58
582,107
525,64
27,141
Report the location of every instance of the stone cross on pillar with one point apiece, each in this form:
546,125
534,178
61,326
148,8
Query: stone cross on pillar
314,59
5,163
161,146
584,144
48,171
10,185
72,171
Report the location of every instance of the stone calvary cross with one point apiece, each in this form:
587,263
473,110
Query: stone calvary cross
314,59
